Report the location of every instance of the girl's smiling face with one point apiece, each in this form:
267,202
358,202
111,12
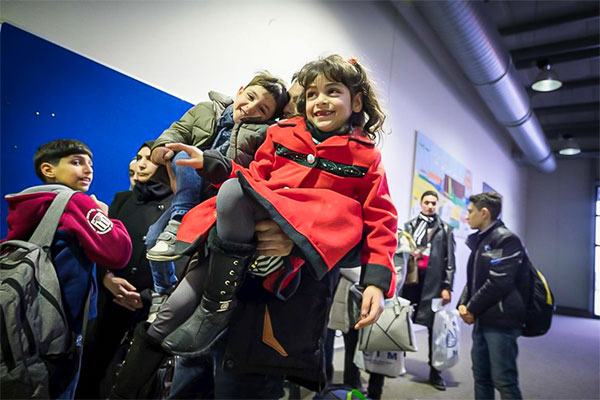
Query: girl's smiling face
329,104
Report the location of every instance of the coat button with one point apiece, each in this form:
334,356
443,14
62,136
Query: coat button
229,363
161,207
310,158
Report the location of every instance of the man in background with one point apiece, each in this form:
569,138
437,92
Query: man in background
435,261
492,299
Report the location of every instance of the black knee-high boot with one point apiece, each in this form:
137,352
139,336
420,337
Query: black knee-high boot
227,266
142,360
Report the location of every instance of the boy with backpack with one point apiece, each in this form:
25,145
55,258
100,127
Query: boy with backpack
84,236
495,298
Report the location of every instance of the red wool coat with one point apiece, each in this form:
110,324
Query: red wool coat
328,198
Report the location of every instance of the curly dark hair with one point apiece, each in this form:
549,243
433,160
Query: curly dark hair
354,76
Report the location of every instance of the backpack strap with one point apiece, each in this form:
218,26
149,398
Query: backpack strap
44,233
86,315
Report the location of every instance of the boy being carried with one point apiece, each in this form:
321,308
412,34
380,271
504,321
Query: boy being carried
235,128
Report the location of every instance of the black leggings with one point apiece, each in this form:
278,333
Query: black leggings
236,216
237,213
180,304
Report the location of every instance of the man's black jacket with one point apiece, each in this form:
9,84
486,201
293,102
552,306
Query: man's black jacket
496,278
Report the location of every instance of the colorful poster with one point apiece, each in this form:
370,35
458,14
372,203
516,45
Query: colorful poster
437,170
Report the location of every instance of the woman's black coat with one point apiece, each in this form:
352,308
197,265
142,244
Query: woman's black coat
104,333
137,216
440,270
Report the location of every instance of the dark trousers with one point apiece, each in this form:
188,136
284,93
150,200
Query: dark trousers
103,338
231,385
206,377
351,371
494,358
193,378
413,294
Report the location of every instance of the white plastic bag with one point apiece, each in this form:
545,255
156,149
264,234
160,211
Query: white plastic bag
388,363
446,339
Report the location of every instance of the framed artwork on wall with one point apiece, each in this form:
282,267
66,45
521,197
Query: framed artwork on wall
437,170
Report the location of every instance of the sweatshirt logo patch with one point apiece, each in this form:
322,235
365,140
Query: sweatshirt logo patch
99,222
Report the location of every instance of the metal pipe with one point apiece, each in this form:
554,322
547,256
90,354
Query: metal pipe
477,48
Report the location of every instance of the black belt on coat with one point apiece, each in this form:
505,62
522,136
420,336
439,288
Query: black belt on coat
310,160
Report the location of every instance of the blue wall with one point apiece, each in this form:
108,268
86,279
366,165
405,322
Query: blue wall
109,111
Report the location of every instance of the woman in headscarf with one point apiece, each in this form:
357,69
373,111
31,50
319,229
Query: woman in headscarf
120,304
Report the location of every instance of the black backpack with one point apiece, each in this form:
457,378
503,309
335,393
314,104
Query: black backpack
33,325
540,305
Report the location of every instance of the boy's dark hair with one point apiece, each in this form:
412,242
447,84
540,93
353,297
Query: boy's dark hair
490,200
295,77
430,193
276,88
354,76
294,99
54,150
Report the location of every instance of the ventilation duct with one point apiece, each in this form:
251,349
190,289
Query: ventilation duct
476,46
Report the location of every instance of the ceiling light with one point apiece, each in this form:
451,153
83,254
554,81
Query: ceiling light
546,80
568,146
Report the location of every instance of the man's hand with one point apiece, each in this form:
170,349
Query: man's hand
128,304
466,315
196,160
124,292
271,239
161,155
446,296
372,307
101,205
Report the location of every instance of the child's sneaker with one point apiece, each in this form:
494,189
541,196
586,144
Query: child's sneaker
164,249
158,299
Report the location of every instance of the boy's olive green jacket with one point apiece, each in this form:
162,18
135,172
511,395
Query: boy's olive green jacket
197,127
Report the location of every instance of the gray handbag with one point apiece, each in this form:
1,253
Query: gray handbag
393,331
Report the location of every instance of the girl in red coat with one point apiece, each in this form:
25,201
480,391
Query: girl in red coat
320,178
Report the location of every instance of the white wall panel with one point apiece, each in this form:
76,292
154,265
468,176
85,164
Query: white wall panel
189,48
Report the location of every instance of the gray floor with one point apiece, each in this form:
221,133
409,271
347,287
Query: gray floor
563,364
